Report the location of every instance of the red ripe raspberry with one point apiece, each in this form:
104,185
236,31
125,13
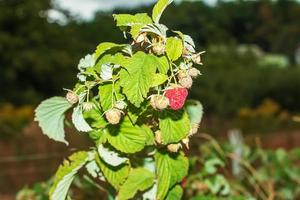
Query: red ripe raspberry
177,97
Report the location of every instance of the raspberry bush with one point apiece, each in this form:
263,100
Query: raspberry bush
131,101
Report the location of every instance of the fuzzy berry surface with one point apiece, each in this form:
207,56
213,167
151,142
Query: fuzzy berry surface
177,97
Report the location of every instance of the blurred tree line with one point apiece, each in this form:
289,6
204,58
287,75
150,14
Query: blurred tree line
37,57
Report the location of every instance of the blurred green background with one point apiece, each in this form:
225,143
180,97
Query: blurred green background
250,81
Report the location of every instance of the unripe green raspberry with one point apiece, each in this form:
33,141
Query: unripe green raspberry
121,105
182,74
113,116
174,147
158,49
159,102
196,58
186,82
194,72
72,97
158,137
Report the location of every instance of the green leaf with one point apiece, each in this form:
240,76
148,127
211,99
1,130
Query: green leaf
163,66
114,175
194,110
135,30
79,121
50,115
159,8
136,22
126,137
93,169
218,184
95,119
135,112
175,193
210,166
137,78
159,79
103,47
174,48
116,59
158,29
139,179
174,126
106,95
149,135
170,169
65,175
110,157
130,20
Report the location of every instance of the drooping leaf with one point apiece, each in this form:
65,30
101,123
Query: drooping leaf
170,169
50,115
65,175
137,78
95,119
174,48
158,79
174,126
158,29
163,66
79,121
194,110
110,157
114,175
106,95
159,8
126,137
189,43
175,193
139,179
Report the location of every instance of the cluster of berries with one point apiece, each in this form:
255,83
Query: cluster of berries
73,98
114,115
176,95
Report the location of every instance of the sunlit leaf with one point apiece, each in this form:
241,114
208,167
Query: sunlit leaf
159,8
139,179
65,175
79,121
50,115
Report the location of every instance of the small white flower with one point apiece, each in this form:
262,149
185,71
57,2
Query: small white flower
106,72
87,61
